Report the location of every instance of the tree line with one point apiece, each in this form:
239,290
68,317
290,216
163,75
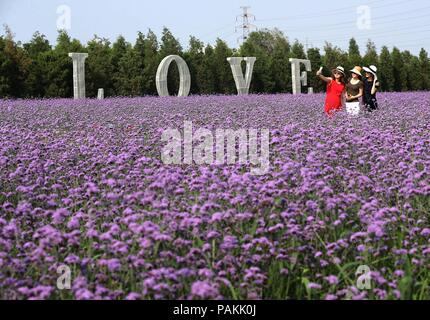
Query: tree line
37,69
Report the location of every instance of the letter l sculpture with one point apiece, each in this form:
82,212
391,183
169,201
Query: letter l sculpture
78,74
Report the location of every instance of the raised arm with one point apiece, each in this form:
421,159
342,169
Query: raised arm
374,87
325,79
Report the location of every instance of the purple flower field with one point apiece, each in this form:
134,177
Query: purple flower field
82,185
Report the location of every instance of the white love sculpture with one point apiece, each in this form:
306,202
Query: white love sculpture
184,76
300,79
242,82
78,74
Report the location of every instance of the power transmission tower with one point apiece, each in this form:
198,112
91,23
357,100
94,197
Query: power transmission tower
308,45
246,26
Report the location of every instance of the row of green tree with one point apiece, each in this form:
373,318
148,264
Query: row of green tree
39,69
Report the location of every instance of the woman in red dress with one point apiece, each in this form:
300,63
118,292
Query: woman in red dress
335,90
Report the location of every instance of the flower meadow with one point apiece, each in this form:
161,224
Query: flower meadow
82,185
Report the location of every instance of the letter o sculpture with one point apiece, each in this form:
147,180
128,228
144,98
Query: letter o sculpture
184,76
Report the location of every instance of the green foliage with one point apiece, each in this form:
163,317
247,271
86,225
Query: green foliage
280,67
149,50
59,67
334,56
411,65
386,76
371,55
99,67
315,57
354,57
260,45
14,65
195,60
36,69
224,82
170,45
208,80
424,70
298,51
37,81
399,71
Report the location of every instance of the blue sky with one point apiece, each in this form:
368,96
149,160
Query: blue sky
403,23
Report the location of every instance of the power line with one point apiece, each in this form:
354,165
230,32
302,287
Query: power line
413,43
334,12
324,28
247,27
416,42
382,34
207,35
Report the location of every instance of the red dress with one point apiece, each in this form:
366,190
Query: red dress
333,101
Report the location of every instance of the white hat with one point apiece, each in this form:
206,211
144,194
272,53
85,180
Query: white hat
340,69
372,69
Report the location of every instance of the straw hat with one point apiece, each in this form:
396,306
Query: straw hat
372,69
339,69
357,70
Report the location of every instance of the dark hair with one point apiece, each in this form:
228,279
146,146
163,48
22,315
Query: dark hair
342,80
359,77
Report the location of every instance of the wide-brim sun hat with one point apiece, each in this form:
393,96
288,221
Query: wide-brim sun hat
357,70
371,69
339,69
